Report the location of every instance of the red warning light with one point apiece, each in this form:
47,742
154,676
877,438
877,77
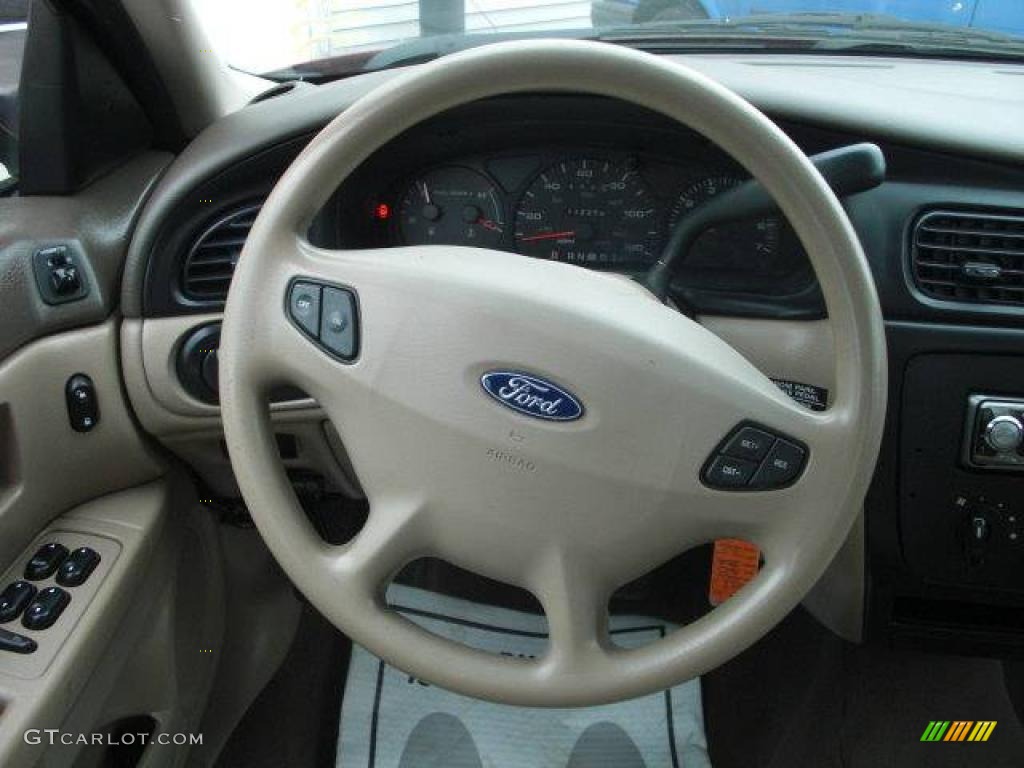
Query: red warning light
382,211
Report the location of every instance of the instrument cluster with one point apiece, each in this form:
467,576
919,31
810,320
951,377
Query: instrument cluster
599,210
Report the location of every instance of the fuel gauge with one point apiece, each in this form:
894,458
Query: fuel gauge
451,205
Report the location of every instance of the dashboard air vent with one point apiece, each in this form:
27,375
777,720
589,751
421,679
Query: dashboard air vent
211,261
970,257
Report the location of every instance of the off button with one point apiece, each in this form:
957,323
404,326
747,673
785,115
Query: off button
304,307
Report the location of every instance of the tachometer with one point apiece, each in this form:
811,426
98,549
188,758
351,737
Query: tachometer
591,212
451,205
743,245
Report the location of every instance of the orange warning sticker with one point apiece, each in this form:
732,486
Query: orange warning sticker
734,563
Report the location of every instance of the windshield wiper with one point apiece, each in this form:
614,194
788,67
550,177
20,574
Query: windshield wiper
831,32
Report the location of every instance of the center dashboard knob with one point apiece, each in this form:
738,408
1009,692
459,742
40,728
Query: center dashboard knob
1004,433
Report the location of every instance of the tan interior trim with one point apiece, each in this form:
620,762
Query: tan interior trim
50,468
129,643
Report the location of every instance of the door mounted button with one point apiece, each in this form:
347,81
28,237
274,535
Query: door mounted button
14,599
45,561
46,608
83,405
15,643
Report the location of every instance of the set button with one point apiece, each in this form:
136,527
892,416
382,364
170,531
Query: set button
749,443
753,457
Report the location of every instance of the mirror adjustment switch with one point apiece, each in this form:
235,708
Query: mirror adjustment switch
14,599
304,307
11,641
45,561
83,405
76,569
781,466
59,274
46,608
729,472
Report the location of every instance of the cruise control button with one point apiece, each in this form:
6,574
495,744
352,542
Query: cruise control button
749,443
304,306
11,641
781,467
14,599
729,472
45,561
46,608
338,322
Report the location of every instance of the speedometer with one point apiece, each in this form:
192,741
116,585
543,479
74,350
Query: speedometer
591,212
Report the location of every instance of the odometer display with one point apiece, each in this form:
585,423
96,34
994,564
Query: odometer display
591,212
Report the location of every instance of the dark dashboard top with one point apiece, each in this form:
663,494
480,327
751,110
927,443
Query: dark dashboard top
235,163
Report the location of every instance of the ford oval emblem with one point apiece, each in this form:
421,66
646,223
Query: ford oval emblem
531,395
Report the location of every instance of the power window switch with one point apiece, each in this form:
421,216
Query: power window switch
76,569
15,643
14,599
46,608
45,561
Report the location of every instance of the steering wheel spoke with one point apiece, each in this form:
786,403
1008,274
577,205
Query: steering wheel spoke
575,602
394,535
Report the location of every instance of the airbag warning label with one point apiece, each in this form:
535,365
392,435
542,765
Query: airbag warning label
808,395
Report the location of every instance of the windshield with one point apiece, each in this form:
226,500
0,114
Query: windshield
309,39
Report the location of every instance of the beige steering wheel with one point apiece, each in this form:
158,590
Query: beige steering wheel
537,423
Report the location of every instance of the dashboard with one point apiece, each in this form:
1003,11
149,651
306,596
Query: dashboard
599,184
602,193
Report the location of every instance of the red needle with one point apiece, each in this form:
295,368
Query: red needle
548,236
488,224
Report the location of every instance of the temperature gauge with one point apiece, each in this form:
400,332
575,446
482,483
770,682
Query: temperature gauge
451,205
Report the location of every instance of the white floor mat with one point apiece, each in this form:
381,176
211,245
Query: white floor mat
391,720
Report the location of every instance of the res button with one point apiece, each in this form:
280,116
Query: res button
780,467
